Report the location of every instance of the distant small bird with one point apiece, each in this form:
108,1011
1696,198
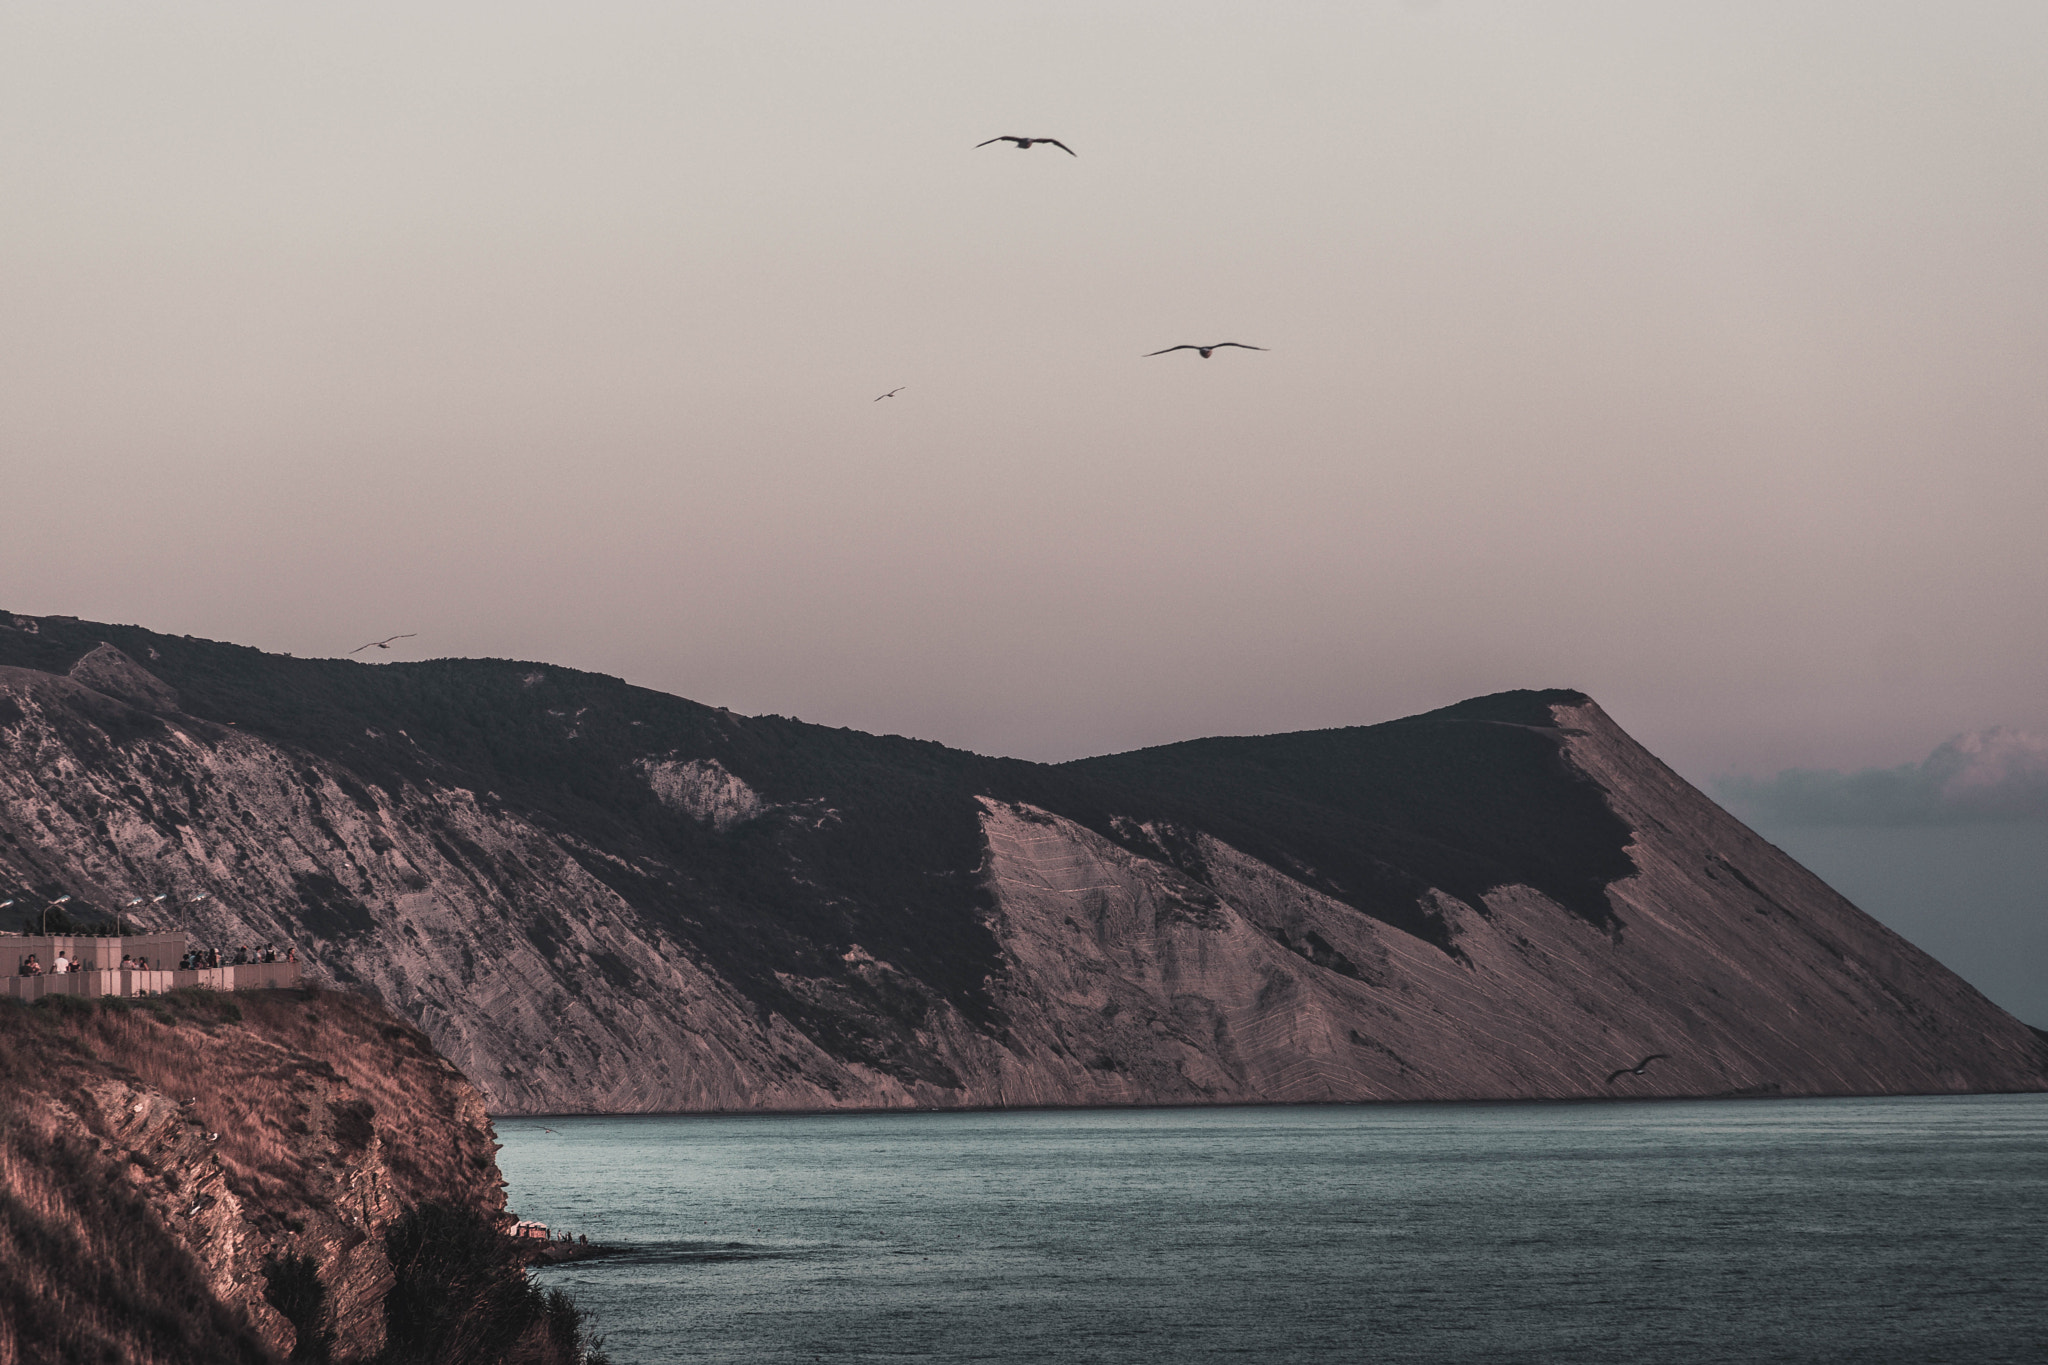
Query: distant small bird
1024,143
1638,1068
384,643
1203,351
892,393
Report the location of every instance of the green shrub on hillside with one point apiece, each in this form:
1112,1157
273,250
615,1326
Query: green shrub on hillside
462,1297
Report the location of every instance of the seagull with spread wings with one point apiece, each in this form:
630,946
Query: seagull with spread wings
384,643
1638,1068
1203,351
891,393
1024,143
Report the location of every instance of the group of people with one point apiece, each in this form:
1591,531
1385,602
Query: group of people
193,960
65,963
200,958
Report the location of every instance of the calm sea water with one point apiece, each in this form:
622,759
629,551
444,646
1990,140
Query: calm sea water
1797,1230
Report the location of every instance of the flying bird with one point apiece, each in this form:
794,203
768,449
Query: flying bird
1637,1069
892,393
1024,143
384,643
1203,351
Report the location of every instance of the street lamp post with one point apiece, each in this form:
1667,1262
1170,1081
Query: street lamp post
202,896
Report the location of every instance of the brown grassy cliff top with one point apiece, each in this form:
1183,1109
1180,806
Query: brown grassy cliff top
157,1154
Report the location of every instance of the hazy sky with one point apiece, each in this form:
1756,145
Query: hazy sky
1996,776
1971,894
1952,851
1692,354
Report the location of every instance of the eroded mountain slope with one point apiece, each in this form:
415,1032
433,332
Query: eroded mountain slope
159,1158
595,897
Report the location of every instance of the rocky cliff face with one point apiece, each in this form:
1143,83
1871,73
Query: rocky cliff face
157,1156
594,897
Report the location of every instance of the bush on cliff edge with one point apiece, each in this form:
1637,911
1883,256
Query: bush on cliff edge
462,1297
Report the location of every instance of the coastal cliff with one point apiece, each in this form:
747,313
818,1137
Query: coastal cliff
594,897
209,1177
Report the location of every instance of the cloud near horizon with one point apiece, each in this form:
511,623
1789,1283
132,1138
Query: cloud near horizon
1994,775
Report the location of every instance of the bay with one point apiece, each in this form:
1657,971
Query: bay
1793,1230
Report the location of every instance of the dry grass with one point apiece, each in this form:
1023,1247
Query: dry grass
87,1273
298,1084
157,1154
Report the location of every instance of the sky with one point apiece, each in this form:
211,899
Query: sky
1690,354
1951,852
1995,776
1969,893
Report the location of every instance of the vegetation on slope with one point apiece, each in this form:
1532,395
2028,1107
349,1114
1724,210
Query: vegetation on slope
876,840
202,1177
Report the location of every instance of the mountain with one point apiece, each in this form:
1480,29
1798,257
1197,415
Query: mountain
595,897
203,1178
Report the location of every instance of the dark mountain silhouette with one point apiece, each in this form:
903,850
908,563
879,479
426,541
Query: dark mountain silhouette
596,896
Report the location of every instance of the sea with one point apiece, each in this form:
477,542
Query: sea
1698,1230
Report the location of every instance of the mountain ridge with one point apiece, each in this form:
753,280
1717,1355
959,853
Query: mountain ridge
595,896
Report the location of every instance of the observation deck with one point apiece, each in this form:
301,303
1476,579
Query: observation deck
102,973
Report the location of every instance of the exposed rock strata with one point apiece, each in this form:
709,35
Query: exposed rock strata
594,897
158,1155
703,789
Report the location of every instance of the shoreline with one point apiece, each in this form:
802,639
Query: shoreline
1765,1093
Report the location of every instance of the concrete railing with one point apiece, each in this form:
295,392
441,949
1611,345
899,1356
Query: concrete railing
247,977
90,951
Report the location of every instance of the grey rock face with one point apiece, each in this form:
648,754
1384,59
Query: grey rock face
157,1160
108,671
702,789
675,909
